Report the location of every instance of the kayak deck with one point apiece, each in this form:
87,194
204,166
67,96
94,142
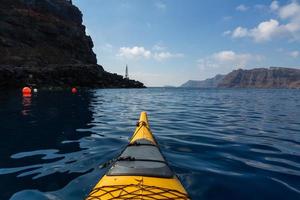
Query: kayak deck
140,172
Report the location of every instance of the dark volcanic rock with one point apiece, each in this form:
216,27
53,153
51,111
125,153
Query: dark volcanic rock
45,40
208,83
92,76
43,32
274,77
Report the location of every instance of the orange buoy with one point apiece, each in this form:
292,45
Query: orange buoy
26,91
74,90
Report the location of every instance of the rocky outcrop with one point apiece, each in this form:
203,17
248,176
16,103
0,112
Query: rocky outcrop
43,42
88,75
208,83
274,77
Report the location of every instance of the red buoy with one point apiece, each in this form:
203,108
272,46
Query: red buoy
26,91
74,90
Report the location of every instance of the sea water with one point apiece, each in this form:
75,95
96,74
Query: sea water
222,143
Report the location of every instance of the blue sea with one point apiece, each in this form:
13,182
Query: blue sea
222,143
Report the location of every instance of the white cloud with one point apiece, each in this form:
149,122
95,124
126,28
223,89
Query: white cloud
166,55
287,25
242,8
274,6
228,32
228,59
159,47
160,5
239,32
294,54
291,10
232,57
134,52
265,30
141,52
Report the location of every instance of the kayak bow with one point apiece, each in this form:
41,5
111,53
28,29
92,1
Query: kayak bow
140,172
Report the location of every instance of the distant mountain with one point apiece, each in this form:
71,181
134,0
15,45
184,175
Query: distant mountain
274,77
169,86
208,83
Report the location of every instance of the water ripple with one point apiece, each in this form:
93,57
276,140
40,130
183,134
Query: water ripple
238,144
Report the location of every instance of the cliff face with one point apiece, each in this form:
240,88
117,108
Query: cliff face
208,83
274,77
43,42
40,32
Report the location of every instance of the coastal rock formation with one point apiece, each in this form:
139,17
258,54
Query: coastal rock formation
43,42
87,75
208,83
274,77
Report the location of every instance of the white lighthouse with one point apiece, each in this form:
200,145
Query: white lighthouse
126,73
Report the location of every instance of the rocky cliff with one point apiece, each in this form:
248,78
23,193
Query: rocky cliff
43,43
208,83
274,77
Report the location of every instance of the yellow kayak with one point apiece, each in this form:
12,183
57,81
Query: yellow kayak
140,172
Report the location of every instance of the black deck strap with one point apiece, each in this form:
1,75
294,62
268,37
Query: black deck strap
141,123
129,158
139,127
126,192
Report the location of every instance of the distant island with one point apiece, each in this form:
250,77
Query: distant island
273,77
44,43
208,83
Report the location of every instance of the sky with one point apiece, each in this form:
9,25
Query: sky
168,42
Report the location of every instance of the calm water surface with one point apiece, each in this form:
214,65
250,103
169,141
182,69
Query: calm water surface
223,144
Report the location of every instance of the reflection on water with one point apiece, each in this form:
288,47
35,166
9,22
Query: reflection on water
26,105
223,144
